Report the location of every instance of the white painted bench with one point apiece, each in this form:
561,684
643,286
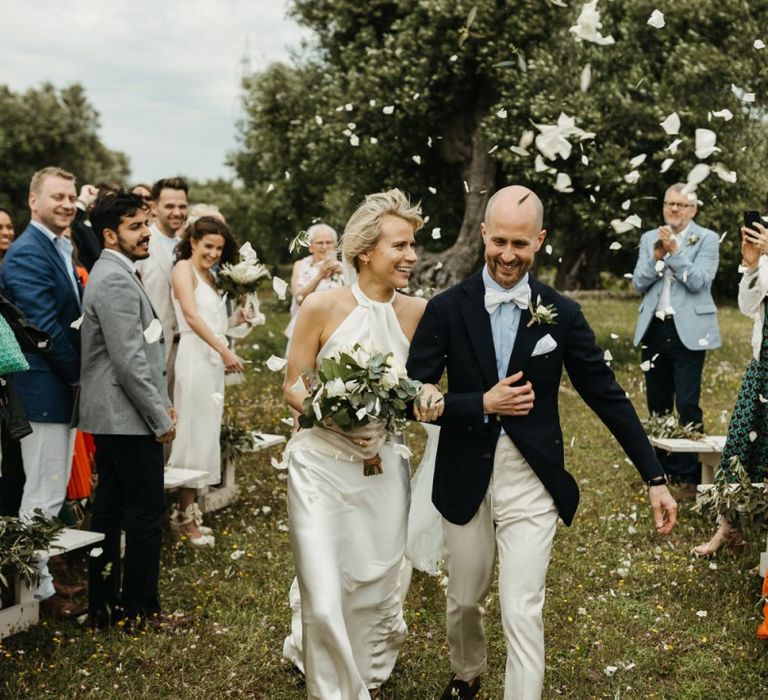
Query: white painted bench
215,497
25,610
708,449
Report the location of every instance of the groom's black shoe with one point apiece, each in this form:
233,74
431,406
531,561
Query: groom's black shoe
461,690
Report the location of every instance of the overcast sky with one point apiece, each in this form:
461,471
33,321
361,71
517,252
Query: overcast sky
163,74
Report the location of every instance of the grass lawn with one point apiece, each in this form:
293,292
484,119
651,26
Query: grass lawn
627,614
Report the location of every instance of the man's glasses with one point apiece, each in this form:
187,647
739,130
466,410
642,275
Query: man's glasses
677,205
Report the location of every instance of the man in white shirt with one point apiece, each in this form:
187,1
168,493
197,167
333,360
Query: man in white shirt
38,276
678,319
169,207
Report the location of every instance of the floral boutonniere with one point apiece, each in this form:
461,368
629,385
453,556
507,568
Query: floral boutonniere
541,313
693,239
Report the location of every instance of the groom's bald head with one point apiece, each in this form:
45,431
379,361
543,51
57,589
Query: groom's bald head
516,201
512,233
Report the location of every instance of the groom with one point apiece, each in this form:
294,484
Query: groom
500,482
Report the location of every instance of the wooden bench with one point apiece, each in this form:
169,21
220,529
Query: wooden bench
708,448
215,497
25,610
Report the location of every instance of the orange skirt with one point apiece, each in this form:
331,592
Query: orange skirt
80,479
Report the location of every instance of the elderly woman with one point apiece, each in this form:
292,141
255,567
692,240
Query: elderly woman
747,437
317,272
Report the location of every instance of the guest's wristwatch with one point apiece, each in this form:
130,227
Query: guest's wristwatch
660,480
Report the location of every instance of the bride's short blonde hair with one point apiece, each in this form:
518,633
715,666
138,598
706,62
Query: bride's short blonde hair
364,226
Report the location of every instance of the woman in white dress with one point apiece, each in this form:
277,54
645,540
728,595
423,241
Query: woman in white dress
348,531
202,360
318,272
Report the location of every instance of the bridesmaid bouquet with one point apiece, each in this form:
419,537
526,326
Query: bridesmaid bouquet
243,278
355,387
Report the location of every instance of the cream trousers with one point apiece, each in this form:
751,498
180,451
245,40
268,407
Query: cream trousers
517,518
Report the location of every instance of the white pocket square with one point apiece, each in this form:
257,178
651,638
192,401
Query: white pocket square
545,345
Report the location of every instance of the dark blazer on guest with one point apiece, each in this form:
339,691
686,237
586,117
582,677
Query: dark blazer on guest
455,335
35,279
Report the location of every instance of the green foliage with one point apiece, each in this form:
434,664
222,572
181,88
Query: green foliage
19,540
45,126
668,426
447,67
735,498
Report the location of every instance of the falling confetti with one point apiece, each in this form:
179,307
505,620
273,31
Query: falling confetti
279,286
275,363
671,124
656,20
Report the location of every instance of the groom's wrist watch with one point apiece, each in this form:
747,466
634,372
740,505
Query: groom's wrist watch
660,480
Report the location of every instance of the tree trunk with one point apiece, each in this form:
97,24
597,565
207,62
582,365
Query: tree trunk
464,143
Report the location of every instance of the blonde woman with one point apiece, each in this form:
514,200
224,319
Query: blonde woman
348,531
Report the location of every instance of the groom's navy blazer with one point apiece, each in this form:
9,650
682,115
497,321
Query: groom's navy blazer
455,335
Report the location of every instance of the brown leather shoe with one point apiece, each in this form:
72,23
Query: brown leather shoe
58,608
461,690
66,590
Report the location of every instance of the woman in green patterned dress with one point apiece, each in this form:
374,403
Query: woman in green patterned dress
747,437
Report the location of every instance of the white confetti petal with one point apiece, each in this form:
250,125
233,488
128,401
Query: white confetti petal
218,398
610,670
634,220
671,124
615,246
502,113
276,363
752,436
298,386
277,464
354,140
348,107
697,175
638,160
705,143
724,114
389,109
76,323
656,20
703,342
436,232
270,188
666,165
402,450
626,204
721,170
548,249
154,331
659,265
701,613
374,140
586,77
759,44
632,177
318,120
584,159
607,356
645,366
672,148
279,286
588,25
432,190
96,552
237,554
563,183
749,97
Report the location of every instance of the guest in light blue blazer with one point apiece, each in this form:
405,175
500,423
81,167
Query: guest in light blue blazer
678,318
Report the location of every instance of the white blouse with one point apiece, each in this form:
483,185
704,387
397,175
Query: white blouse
753,289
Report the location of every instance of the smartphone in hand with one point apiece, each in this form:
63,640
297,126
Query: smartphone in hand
751,218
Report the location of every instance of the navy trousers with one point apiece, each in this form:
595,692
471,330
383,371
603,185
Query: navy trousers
674,381
129,496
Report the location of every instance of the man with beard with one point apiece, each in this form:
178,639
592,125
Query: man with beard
169,207
676,265
38,276
124,404
500,482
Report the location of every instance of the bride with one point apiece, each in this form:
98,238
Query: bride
348,531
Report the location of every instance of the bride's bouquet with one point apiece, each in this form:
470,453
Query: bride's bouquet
239,282
355,387
243,278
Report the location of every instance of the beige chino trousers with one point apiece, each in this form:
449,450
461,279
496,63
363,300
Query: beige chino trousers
517,518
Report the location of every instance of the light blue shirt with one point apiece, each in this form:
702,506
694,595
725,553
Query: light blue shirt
64,247
505,321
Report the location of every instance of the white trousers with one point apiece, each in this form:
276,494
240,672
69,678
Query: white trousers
517,518
47,458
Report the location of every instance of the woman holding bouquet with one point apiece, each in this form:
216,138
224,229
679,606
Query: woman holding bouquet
203,358
348,529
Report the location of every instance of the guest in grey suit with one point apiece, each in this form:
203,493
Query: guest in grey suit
678,318
124,404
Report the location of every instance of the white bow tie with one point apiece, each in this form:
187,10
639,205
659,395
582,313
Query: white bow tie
520,296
